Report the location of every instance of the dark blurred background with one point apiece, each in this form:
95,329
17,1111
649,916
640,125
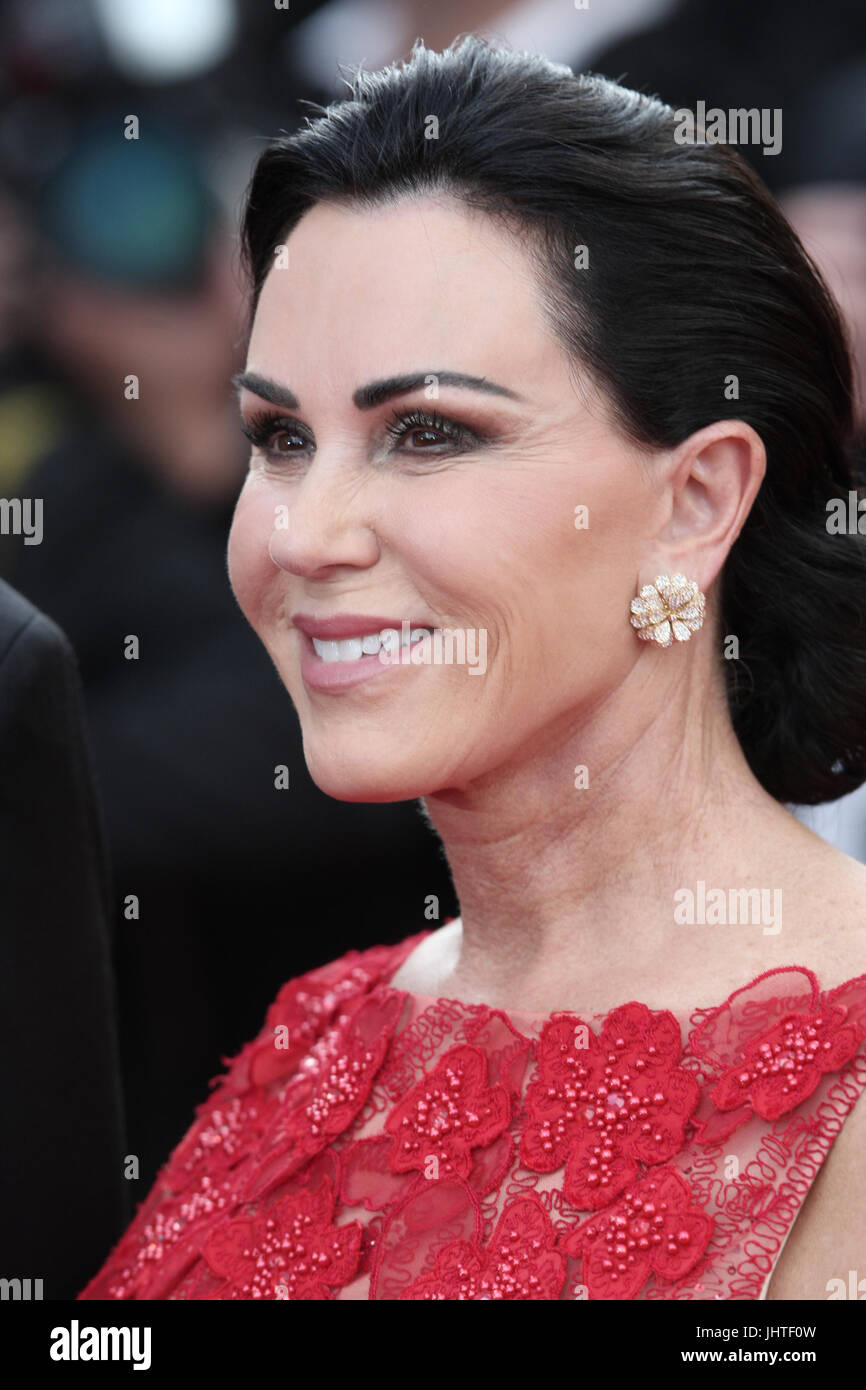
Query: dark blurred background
118,261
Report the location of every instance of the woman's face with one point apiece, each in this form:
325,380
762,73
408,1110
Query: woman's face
423,463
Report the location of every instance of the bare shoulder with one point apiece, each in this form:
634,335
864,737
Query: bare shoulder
828,912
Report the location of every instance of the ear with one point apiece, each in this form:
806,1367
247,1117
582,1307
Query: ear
712,479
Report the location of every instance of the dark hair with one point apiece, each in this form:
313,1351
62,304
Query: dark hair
694,276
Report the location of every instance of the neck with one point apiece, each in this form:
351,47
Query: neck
566,889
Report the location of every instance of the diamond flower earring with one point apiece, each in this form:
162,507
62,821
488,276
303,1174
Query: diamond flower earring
667,609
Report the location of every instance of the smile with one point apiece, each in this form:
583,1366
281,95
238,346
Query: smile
331,665
370,644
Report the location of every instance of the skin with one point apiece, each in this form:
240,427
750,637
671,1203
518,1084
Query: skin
566,895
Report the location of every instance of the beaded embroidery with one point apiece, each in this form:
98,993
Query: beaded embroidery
371,1143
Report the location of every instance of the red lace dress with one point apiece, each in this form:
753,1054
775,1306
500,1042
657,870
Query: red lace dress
372,1143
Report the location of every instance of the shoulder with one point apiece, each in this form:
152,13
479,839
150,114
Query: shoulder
429,959
346,974
824,921
26,633
304,1009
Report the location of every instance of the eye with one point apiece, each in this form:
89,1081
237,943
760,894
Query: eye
428,432
276,436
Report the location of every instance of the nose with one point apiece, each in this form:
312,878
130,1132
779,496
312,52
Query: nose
322,527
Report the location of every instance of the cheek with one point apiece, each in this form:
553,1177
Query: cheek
251,570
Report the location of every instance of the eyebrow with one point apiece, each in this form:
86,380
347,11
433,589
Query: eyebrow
375,392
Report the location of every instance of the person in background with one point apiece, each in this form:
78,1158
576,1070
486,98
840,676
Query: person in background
63,1198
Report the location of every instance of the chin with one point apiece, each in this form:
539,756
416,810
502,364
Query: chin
354,779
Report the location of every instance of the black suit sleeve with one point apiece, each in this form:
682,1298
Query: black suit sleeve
63,1196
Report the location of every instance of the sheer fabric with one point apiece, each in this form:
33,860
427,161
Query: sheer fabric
376,1144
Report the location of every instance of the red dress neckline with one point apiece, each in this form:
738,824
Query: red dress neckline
404,949
376,1143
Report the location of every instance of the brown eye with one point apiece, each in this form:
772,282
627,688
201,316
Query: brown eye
424,438
286,442
275,437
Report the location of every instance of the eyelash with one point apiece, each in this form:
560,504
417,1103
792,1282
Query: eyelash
401,424
262,427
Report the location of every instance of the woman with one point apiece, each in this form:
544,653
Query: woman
547,411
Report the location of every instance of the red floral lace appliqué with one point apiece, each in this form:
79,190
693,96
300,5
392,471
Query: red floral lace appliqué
223,1133
767,1048
446,1115
603,1105
341,1146
783,1066
520,1262
291,1250
444,1125
335,1082
301,1012
157,1249
652,1229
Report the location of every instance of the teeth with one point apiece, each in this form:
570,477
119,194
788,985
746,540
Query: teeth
354,648
328,651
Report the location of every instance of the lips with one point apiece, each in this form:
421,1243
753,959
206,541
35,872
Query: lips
345,649
340,626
